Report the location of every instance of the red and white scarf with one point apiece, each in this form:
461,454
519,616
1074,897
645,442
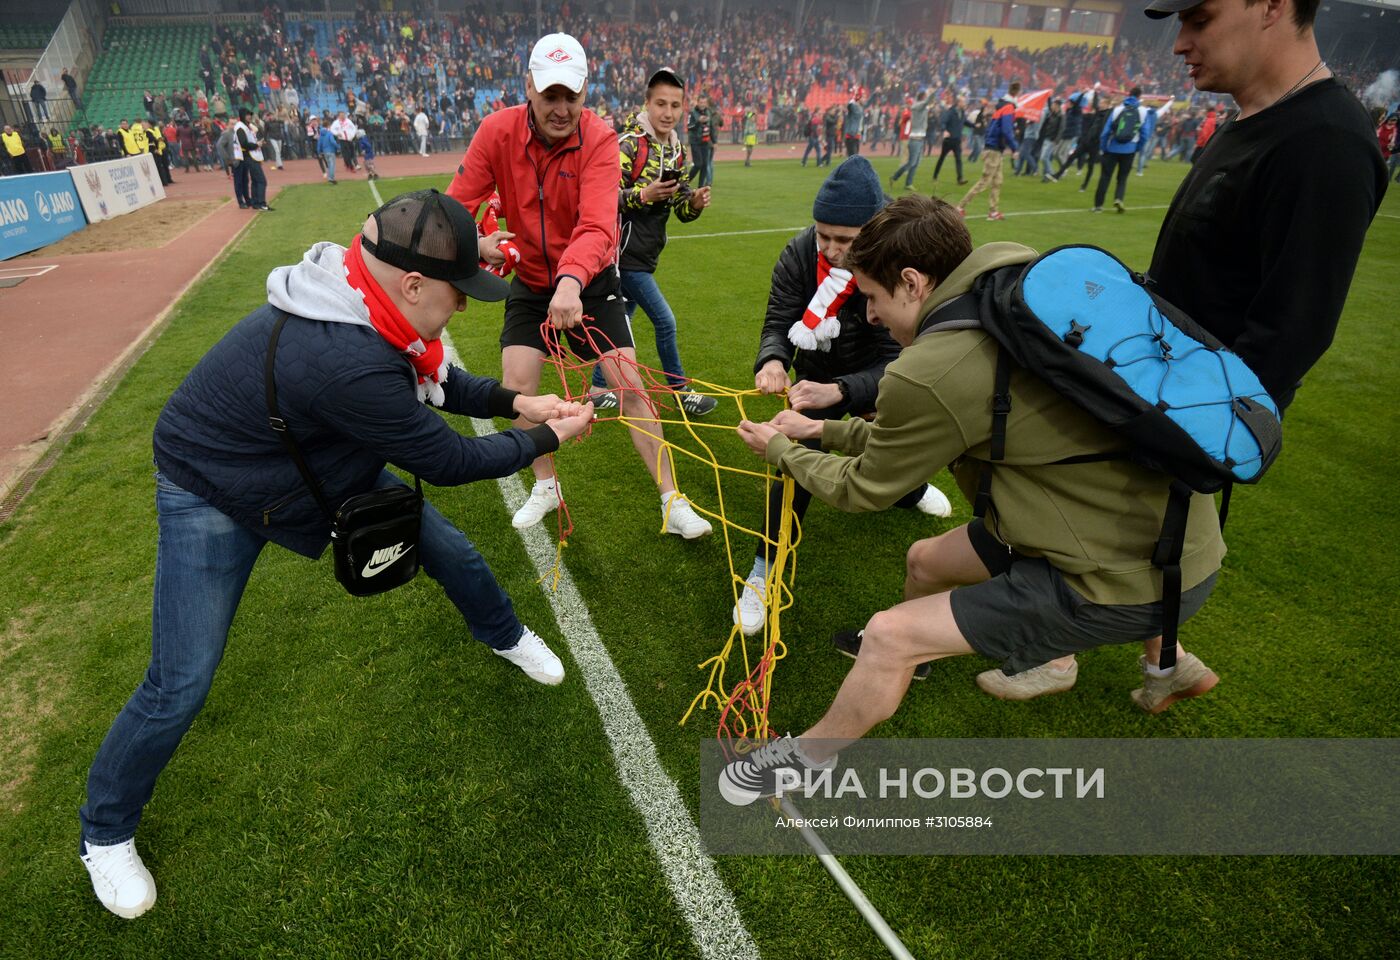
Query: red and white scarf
427,357
490,223
819,325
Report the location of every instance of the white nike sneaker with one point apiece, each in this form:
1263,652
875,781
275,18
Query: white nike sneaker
544,497
681,518
532,655
934,503
749,613
119,878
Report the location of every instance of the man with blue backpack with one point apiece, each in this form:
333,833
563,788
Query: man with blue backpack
1057,559
1128,128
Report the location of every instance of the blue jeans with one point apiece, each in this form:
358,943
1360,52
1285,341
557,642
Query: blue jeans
707,166
330,165
203,559
640,289
813,144
911,165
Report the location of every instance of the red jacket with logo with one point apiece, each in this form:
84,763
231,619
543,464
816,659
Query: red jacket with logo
560,201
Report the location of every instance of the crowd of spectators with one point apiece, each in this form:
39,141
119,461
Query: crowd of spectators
419,82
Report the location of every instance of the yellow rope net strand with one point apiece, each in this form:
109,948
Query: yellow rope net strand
739,678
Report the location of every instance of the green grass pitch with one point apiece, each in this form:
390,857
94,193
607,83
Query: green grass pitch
366,781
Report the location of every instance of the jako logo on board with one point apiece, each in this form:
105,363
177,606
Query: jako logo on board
13,211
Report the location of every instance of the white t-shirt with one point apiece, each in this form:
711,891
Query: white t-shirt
420,123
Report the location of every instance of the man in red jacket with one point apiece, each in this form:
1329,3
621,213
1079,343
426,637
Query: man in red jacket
556,168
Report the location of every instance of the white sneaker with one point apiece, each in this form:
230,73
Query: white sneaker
750,611
538,661
119,878
682,519
544,497
934,503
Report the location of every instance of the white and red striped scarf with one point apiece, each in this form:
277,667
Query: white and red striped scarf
490,223
819,326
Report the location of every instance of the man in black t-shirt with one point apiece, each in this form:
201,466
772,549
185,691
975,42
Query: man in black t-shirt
1260,242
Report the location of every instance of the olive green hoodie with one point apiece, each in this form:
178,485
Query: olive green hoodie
1095,522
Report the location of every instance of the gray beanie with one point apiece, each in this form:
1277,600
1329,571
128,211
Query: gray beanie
851,195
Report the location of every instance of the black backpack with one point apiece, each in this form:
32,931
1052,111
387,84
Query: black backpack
1127,124
1184,404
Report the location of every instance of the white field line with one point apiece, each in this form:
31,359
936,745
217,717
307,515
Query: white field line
9,273
702,896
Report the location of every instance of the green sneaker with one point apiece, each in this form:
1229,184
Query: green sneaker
1191,678
1028,684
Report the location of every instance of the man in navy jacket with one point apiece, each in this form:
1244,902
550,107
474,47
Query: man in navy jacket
357,362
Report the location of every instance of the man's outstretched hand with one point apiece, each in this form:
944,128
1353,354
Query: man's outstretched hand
573,421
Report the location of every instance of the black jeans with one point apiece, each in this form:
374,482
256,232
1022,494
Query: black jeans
1123,164
952,145
257,184
1081,154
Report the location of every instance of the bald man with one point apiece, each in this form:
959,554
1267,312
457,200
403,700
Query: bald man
358,363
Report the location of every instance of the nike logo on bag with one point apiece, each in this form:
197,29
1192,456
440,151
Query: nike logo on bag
383,559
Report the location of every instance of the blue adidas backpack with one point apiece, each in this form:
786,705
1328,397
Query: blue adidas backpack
1185,405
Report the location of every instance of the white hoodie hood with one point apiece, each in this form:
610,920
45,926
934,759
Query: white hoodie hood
316,288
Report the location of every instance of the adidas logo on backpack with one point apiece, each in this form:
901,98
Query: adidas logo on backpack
1093,289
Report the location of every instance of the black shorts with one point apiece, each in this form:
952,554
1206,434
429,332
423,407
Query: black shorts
1026,614
602,304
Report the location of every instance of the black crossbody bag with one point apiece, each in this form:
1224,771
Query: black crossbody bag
374,535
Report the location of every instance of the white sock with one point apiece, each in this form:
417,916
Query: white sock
808,761
666,498
760,568
1155,671
548,483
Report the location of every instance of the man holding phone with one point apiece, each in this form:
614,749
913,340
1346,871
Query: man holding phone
653,161
555,166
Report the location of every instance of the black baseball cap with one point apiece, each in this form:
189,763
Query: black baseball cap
1161,9
430,233
665,75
